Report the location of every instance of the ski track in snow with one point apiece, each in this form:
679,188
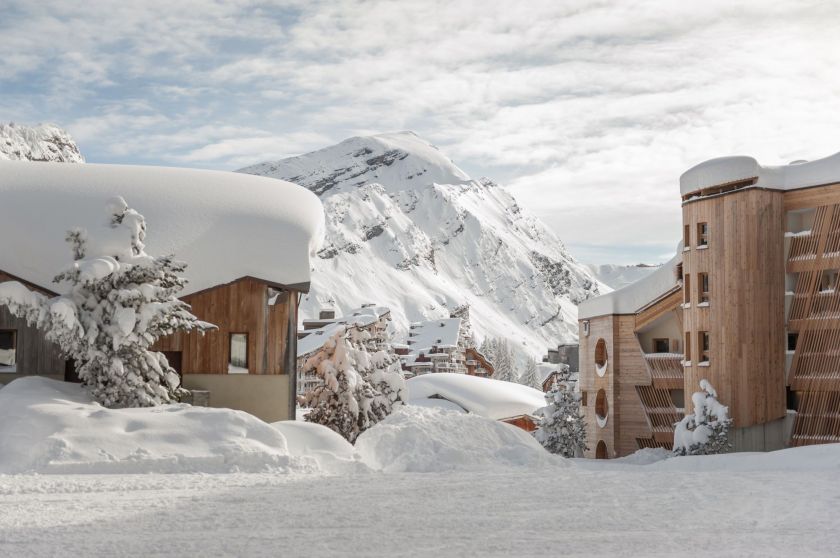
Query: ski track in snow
551,511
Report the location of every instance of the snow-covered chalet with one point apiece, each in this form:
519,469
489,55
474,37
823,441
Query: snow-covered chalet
247,241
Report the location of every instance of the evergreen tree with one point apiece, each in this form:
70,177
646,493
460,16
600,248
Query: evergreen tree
705,432
531,376
504,365
120,300
359,388
562,429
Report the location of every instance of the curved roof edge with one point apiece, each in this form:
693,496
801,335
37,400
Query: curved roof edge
635,296
224,225
724,170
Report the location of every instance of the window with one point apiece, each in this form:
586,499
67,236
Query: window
702,234
601,407
679,271
703,279
688,346
677,398
601,353
687,237
238,363
8,349
828,280
703,343
792,338
583,398
661,346
687,288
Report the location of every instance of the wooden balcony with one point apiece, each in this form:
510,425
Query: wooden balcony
666,370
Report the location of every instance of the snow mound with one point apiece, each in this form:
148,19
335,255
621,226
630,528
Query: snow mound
333,453
48,426
424,440
493,399
43,142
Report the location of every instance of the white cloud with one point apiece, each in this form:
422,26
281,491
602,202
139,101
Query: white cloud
589,110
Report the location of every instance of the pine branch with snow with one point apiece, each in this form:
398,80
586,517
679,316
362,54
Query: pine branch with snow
504,365
562,429
119,301
706,432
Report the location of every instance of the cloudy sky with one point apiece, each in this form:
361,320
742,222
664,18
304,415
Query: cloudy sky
589,111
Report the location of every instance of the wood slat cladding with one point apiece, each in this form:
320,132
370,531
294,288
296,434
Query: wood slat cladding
744,260
238,307
34,355
654,311
815,315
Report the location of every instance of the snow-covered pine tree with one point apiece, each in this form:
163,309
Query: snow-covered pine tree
562,429
504,365
487,349
705,432
531,376
119,301
359,388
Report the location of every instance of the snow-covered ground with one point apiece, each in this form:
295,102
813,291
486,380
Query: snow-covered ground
423,482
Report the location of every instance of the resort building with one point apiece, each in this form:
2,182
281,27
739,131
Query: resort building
436,346
246,240
749,303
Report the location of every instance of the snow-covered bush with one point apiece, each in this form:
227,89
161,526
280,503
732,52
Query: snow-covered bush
119,301
359,388
531,377
562,429
705,432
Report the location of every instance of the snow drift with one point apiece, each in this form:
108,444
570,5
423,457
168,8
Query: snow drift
43,142
409,230
49,426
423,440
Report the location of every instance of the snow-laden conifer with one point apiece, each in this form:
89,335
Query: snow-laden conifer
562,429
119,301
531,377
359,388
706,431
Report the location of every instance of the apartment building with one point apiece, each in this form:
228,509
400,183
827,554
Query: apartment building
749,302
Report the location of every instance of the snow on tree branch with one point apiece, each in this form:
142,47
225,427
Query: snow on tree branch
562,429
706,431
119,301
360,386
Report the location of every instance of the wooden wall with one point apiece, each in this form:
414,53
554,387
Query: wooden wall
745,317
34,354
239,307
599,328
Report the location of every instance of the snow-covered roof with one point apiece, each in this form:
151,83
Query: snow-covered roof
634,296
316,339
359,317
224,225
485,397
434,333
724,170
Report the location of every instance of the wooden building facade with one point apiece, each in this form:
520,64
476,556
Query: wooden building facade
754,307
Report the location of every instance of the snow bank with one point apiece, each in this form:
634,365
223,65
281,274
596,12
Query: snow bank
488,398
224,225
48,426
417,439
333,453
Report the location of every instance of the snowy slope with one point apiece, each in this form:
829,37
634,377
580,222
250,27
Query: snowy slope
408,229
618,276
43,142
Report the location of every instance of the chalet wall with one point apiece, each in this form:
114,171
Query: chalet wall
265,396
745,317
239,307
592,383
630,419
34,354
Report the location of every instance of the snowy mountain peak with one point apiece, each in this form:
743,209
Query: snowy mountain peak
394,160
44,142
409,230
